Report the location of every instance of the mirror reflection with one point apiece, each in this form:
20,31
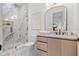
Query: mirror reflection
57,17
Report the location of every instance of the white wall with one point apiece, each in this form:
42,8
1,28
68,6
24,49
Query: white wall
0,24
78,19
36,19
77,11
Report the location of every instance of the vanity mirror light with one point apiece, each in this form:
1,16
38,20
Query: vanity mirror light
56,19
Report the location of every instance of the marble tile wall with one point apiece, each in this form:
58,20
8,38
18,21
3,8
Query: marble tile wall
24,25
20,24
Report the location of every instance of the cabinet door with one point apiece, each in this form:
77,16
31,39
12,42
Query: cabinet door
69,48
54,47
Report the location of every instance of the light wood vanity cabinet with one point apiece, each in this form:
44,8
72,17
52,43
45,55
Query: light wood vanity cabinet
68,48
47,46
54,47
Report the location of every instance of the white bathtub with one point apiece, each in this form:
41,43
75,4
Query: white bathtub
21,50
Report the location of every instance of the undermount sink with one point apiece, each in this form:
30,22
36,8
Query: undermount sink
45,32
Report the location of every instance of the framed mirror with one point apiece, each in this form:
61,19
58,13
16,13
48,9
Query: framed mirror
56,19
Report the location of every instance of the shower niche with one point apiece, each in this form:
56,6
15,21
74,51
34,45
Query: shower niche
7,28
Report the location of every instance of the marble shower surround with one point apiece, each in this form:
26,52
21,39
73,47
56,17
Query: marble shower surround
20,26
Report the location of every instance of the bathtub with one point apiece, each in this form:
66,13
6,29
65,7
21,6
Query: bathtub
21,50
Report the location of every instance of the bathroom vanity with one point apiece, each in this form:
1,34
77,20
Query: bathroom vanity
61,42
56,45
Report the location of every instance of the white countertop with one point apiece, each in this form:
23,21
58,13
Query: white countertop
58,36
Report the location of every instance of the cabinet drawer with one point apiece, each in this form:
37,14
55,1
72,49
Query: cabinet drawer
41,53
43,39
42,46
